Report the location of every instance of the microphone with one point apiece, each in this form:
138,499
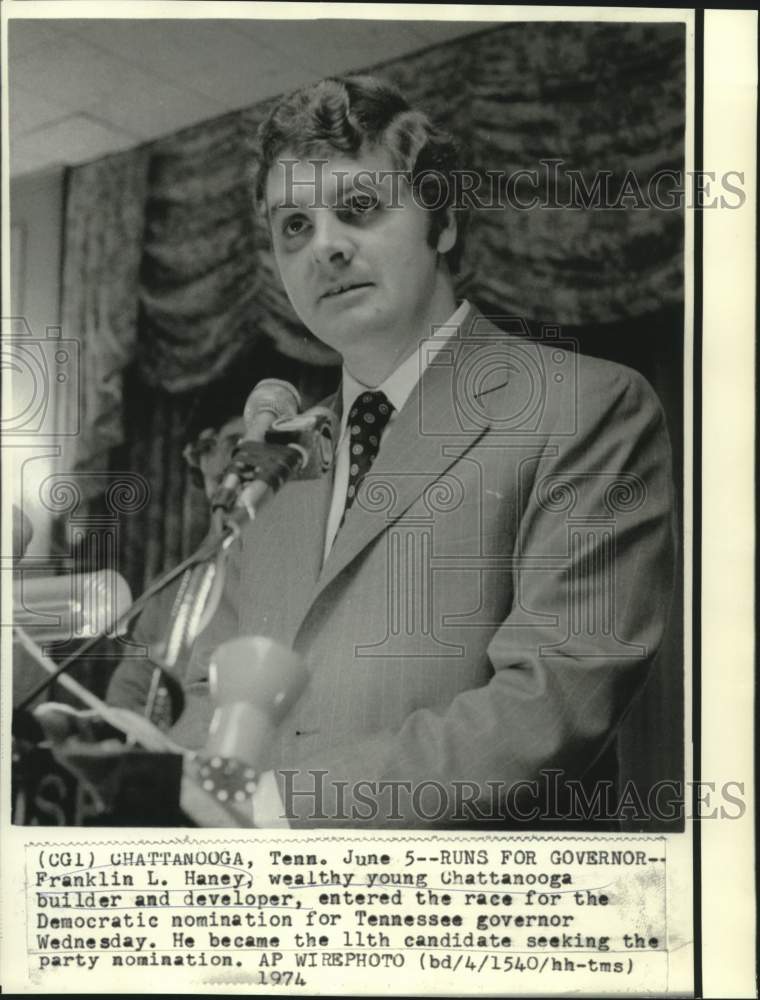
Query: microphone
254,682
279,444
71,606
270,400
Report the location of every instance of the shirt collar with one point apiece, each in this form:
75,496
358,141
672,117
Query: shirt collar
399,384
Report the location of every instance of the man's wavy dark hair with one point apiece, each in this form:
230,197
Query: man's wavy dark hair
348,114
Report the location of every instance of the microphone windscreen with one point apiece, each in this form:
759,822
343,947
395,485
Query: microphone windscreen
253,682
258,671
272,399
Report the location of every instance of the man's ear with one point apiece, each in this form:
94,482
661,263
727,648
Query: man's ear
447,235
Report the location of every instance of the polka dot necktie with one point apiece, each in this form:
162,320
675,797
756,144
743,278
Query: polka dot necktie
366,422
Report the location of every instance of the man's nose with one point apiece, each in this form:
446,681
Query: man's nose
331,243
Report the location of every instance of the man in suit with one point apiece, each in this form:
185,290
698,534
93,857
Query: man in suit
481,586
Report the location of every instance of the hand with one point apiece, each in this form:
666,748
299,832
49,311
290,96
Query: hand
61,722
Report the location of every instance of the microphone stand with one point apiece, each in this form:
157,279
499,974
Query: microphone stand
119,720
301,446
292,446
132,611
261,467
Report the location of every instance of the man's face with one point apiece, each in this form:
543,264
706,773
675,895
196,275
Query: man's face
210,455
353,253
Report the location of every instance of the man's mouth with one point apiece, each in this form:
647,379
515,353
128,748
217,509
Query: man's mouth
342,289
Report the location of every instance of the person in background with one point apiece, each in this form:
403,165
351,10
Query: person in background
130,685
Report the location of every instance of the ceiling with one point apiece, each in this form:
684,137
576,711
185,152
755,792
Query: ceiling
80,89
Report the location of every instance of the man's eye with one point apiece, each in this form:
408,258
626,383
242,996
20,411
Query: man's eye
361,204
294,226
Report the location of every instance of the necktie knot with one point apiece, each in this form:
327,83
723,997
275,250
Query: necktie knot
366,422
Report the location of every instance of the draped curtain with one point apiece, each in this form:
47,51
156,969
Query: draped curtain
103,231
168,271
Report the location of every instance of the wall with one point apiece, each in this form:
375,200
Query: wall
36,217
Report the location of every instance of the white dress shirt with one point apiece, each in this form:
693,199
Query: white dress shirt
398,388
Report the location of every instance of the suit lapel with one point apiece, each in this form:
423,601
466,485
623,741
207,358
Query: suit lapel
427,439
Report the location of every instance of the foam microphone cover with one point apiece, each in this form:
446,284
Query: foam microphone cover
271,399
254,682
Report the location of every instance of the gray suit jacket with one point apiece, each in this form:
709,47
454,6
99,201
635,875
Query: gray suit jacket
491,604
